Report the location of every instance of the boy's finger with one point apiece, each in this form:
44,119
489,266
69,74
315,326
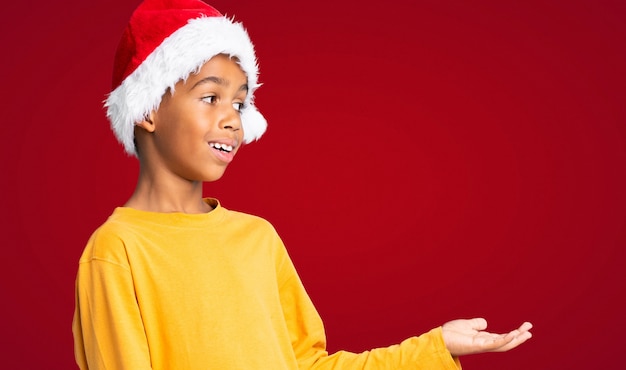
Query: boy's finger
515,341
478,323
526,326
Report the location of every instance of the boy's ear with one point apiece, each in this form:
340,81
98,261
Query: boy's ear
147,123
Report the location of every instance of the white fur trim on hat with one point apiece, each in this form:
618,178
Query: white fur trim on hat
185,51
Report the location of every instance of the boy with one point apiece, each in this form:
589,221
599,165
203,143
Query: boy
173,280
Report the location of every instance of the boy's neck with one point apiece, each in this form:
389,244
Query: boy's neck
171,196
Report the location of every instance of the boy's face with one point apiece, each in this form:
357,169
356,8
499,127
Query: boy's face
197,129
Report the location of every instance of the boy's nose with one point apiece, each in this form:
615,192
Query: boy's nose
230,119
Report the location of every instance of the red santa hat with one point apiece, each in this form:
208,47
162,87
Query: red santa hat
164,42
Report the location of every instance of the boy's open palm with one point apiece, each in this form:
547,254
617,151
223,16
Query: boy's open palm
464,337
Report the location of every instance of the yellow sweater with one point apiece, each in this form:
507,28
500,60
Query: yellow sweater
209,291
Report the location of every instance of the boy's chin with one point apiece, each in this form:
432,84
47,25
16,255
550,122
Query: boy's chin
213,179
214,176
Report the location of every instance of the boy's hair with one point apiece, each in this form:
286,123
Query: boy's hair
164,42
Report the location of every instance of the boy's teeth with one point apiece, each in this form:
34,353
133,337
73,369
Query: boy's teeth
224,147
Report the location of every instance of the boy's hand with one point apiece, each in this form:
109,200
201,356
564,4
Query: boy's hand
464,337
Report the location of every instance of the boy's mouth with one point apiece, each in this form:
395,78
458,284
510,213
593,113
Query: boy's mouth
222,147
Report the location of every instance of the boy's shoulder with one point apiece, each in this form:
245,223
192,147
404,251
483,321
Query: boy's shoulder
107,243
244,219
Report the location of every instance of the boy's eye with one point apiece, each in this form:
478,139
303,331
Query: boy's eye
238,106
209,99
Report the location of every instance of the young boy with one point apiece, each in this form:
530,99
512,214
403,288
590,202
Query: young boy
173,280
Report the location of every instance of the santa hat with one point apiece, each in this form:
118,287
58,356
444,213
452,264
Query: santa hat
164,42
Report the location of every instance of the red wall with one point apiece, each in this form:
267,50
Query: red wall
424,161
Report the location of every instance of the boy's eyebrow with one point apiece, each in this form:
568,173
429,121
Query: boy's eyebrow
219,81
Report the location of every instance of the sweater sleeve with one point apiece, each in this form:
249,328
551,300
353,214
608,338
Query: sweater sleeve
107,326
308,339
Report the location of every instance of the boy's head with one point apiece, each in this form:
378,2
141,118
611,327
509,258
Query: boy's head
165,41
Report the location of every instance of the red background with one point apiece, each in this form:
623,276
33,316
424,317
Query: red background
424,161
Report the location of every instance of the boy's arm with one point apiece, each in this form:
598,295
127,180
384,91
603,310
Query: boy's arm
308,339
107,327
427,351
